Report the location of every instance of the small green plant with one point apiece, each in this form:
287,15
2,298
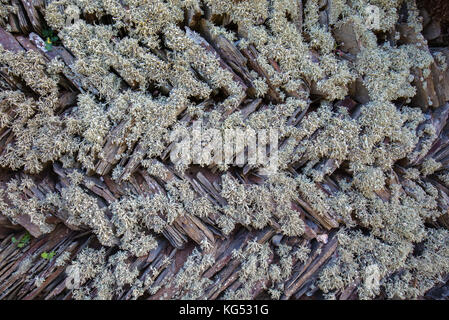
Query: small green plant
50,37
23,241
48,255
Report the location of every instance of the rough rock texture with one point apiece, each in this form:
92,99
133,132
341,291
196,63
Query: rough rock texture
93,205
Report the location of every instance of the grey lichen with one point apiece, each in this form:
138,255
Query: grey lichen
143,75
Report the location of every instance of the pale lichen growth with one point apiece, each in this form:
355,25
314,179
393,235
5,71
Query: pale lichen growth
5,10
256,205
20,205
430,166
140,73
189,280
63,259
